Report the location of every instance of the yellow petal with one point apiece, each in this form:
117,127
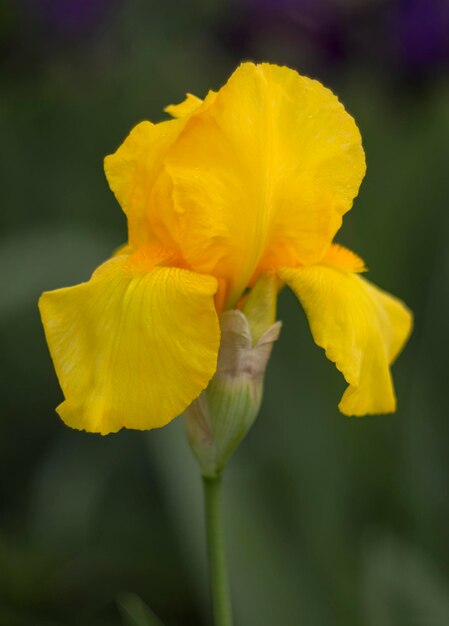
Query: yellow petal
262,177
132,172
134,346
136,174
186,107
361,328
343,258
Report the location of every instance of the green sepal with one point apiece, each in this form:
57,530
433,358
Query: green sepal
260,305
222,415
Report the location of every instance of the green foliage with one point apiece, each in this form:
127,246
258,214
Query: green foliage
135,612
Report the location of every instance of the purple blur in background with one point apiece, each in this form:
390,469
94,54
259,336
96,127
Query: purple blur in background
422,31
69,17
409,37
404,39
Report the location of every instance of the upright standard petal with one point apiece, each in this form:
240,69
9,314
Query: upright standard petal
134,346
263,176
186,107
136,174
361,328
132,172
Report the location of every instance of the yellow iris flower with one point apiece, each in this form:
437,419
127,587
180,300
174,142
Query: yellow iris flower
254,179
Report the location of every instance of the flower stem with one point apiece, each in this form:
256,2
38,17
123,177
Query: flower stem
221,600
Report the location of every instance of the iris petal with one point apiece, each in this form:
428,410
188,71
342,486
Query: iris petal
132,172
262,177
132,347
361,328
186,107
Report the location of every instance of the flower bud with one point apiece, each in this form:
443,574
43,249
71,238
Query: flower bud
221,416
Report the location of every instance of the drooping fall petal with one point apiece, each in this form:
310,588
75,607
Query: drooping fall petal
134,346
262,177
361,328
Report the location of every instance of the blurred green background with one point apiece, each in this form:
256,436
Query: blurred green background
330,520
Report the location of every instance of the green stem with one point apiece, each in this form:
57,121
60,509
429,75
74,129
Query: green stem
221,600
